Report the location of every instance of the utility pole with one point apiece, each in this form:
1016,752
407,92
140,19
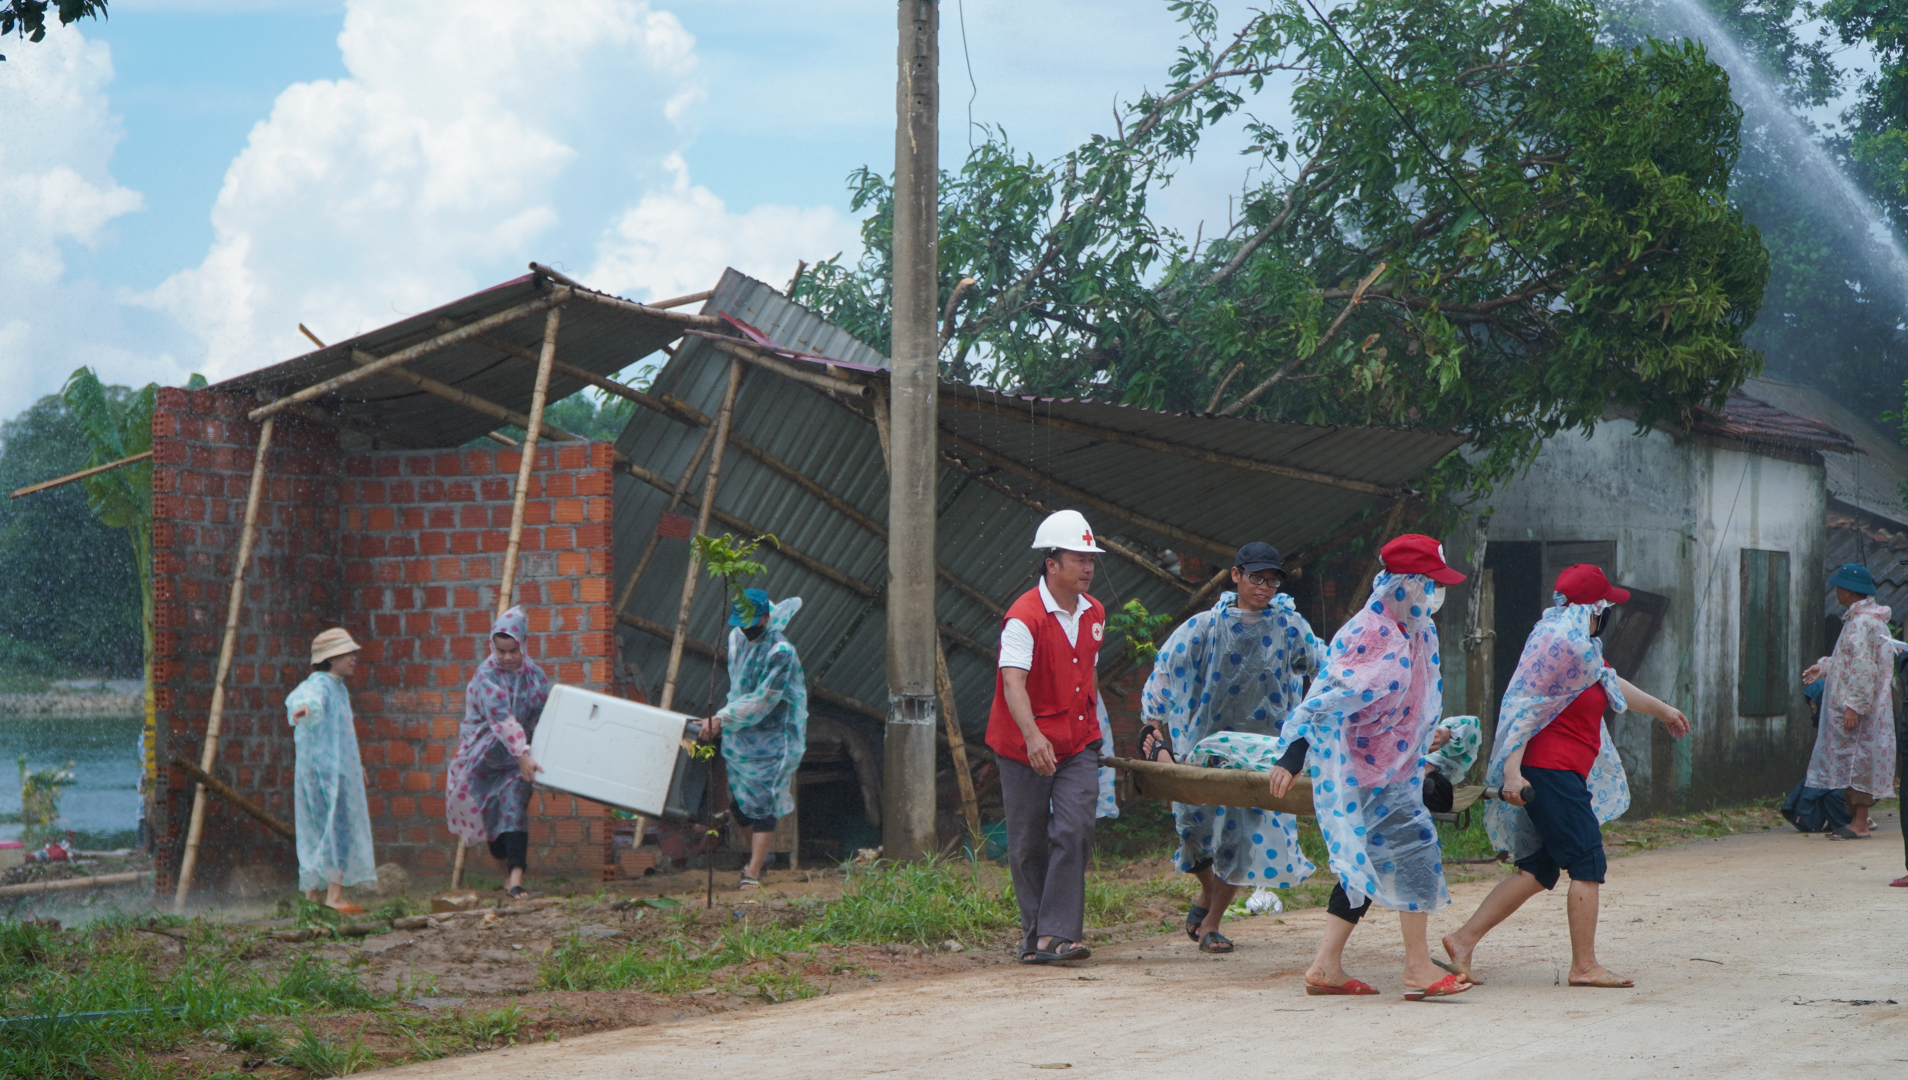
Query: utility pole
907,786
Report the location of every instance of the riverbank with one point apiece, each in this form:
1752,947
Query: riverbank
76,697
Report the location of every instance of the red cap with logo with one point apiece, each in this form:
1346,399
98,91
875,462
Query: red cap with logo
1416,554
1585,584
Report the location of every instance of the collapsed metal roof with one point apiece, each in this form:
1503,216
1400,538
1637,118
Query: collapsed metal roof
1155,484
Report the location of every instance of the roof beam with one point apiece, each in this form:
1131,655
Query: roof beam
953,396
835,382
721,656
373,365
462,397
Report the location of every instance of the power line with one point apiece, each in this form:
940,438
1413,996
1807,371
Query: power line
960,8
1424,143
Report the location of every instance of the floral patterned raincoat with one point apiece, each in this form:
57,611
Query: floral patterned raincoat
1858,678
485,795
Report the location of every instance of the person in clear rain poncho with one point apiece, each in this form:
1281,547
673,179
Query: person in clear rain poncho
1553,743
487,788
1855,737
764,723
1239,667
329,810
1362,736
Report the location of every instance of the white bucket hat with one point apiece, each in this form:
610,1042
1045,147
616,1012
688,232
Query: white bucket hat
333,642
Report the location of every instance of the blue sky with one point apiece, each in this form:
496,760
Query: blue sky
188,180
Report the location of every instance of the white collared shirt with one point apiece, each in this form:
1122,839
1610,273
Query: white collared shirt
1016,637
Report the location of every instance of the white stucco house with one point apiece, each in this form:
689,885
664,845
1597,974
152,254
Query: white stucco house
1718,529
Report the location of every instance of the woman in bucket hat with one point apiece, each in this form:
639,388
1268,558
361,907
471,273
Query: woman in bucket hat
1855,742
332,818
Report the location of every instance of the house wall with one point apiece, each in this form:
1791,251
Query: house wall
1680,514
404,549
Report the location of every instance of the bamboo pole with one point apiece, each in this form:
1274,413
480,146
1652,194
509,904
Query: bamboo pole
957,744
526,464
422,348
721,656
1105,506
676,492
832,384
81,475
702,525
234,603
1392,522
225,791
467,399
955,397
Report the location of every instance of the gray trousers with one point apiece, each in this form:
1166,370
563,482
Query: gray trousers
1049,830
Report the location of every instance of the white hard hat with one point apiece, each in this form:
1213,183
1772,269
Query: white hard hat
1067,530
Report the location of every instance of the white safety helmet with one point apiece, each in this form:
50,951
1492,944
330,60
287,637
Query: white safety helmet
1067,530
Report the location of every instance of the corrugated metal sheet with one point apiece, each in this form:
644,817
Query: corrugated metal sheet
984,534
598,339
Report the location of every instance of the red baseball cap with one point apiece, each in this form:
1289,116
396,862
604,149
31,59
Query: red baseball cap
1416,554
1585,584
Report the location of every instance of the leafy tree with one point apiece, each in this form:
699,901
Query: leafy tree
69,588
1481,219
28,17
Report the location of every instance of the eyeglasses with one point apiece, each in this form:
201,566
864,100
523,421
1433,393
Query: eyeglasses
1262,580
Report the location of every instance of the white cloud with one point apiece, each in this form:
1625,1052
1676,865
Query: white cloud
678,241
57,135
467,134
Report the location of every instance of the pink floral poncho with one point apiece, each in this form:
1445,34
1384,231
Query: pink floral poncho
485,795
1858,677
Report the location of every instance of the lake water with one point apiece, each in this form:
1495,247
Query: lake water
103,803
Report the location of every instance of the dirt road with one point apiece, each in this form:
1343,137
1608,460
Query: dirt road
1769,955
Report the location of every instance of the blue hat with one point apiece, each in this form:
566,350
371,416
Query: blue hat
754,603
1855,578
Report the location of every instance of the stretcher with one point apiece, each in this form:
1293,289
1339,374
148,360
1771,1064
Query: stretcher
1234,787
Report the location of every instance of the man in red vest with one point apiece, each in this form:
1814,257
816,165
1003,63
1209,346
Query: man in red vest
1045,728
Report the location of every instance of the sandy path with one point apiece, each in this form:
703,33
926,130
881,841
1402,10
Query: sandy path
1792,922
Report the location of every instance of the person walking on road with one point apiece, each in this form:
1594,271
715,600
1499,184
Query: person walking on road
1366,729
764,723
1239,667
1855,741
1552,741
487,787
1045,730
330,814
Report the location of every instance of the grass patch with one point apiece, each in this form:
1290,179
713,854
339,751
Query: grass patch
924,902
322,1057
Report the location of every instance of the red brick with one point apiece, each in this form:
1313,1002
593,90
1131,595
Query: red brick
417,780
570,511
403,806
389,780
573,457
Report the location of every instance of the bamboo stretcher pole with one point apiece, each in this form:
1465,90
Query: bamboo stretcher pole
224,791
526,464
702,525
81,475
234,603
676,493
957,744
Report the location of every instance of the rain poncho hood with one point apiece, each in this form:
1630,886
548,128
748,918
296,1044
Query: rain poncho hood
485,795
1233,674
1560,661
1369,720
329,811
1858,678
765,719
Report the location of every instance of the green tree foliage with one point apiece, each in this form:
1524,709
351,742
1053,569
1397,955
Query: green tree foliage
586,413
28,17
69,586
1481,218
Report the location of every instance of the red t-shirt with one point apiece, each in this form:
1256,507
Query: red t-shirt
1572,740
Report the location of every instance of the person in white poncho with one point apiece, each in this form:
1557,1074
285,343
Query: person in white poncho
1855,740
1552,743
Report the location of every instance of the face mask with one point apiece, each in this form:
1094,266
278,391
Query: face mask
1435,600
1599,616
754,633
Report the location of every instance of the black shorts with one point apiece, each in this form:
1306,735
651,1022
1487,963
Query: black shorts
760,825
512,849
1573,841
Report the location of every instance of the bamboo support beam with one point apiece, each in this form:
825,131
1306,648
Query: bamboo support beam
721,656
676,493
422,348
526,464
234,603
1105,506
702,527
351,423
800,557
956,743
959,400
832,384
468,400
81,475
224,791
680,318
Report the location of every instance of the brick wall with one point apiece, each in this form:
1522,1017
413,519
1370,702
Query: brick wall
403,548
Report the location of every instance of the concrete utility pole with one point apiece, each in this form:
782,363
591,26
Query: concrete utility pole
907,811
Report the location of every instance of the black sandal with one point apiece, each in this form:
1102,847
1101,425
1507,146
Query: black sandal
1194,916
1216,942
517,892
1060,950
1160,742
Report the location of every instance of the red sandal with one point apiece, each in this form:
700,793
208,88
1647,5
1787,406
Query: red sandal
1445,987
1348,987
